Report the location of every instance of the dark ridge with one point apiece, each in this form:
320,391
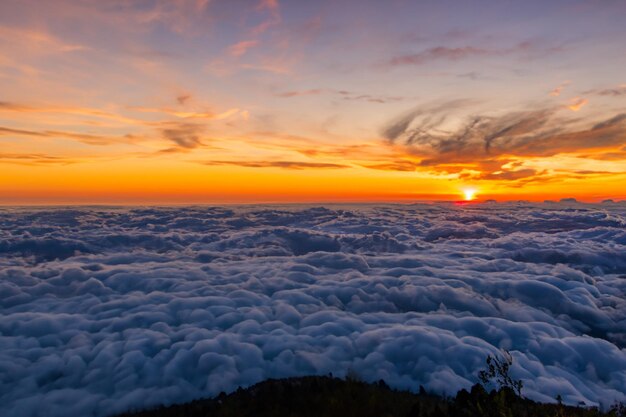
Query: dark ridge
317,396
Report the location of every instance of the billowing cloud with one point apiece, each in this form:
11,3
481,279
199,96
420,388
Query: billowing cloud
108,310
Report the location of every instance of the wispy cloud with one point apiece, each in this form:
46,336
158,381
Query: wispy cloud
299,93
394,165
274,18
342,94
577,103
184,135
556,91
240,48
446,53
295,165
188,114
35,159
6,131
497,139
30,40
90,139
616,91
183,99
68,110
438,53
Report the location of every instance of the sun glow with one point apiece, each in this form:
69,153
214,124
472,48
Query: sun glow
469,194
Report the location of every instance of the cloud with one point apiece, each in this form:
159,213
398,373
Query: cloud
127,121
533,133
615,121
108,310
577,103
342,94
473,75
445,53
438,53
185,135
556,91
182,99
618,91
7,131
188,114
298,93
242,47
401,165
99,140
268,4
510,175
78,111
274,66
182,16
13,106
352,96
37,41
34,158
431,116
278,164
273,9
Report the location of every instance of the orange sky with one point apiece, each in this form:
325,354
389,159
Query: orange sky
217,102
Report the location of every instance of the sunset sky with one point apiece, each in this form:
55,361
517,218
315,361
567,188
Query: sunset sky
202,101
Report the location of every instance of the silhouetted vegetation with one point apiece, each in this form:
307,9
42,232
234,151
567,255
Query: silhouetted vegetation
497,373
318,396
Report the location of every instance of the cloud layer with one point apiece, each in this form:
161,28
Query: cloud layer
104,310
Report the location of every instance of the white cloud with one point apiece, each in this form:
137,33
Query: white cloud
110,309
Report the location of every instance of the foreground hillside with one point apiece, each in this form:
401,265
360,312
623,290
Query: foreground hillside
327,396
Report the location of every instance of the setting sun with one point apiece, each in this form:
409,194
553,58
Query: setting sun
469,194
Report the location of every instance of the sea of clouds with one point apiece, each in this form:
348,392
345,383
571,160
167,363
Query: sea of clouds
103,310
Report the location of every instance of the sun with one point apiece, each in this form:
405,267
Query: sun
469,193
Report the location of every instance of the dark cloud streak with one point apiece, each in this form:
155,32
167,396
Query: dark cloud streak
295,165
185,135
452,54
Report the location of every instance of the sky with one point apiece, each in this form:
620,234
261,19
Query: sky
200,101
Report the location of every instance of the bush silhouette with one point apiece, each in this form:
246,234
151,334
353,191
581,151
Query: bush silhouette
497,373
